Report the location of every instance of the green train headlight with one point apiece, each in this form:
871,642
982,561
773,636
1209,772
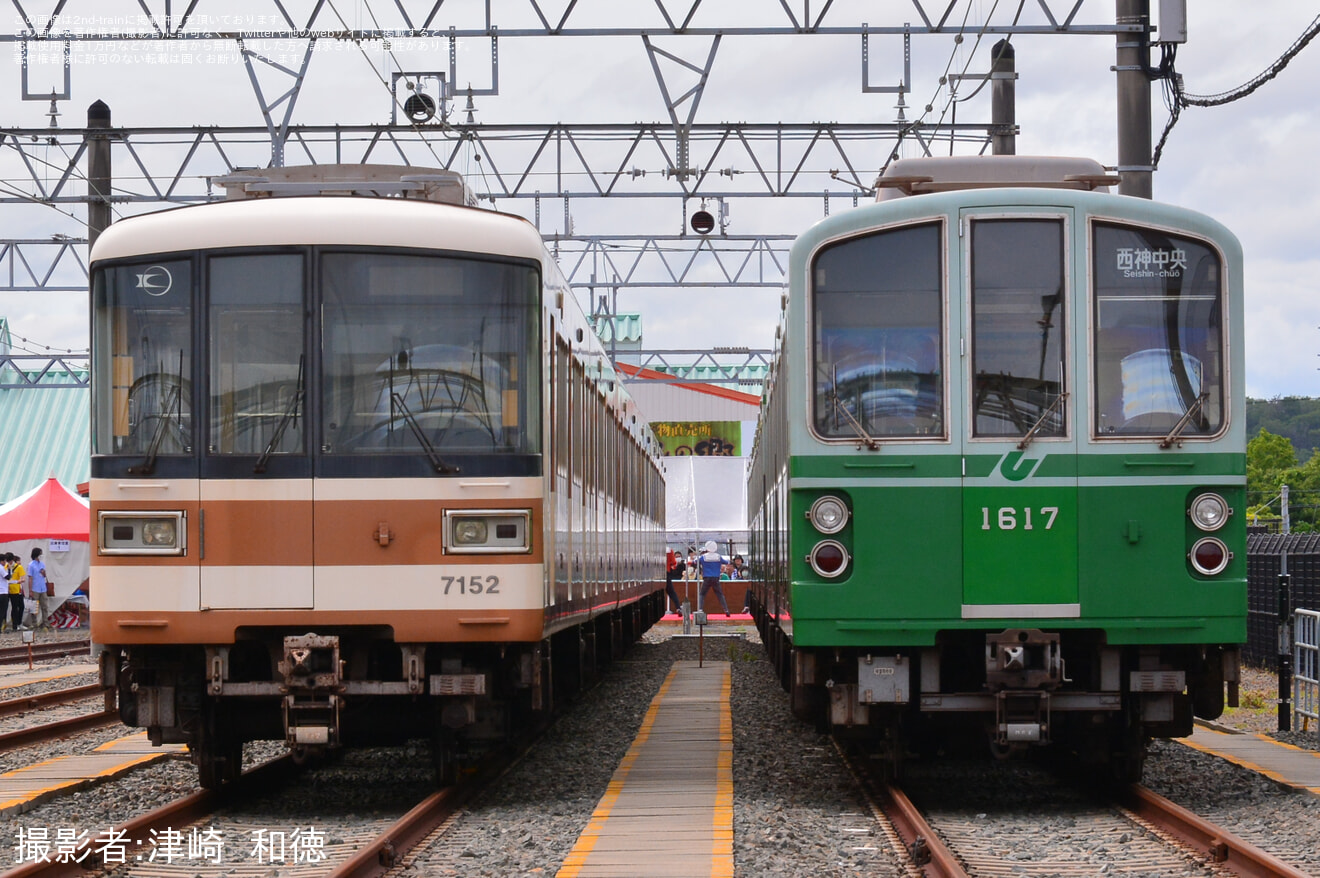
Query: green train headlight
1209,556
829,559
828,514
1209,512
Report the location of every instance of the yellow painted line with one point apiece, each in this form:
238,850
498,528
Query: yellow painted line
1247,763
123,764
68,671
722,855
586,842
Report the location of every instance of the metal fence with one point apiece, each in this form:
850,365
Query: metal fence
1264,561
1306,667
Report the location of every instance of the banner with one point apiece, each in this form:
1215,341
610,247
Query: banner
702,438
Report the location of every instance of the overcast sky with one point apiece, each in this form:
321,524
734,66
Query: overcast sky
1250,164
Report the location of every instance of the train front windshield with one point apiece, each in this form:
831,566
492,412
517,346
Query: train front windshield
419,346
298,353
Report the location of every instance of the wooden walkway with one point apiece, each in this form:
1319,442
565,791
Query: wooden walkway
668,811
26,788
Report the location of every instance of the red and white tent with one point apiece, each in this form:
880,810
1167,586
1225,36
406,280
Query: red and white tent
56,520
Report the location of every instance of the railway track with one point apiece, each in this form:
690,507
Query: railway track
28,703
1135,832
58,729
10,655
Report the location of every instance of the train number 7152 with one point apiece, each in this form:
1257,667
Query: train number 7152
1008,517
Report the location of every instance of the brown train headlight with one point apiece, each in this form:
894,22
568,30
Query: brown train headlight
141,533
1209,556
487,531
829,559
1209,511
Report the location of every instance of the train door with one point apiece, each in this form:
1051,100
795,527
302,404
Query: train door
256,490
1019,433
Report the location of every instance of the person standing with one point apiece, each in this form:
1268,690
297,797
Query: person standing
17,575
712,563
39,588
673,569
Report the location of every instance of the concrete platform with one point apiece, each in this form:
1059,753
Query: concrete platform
1283,763
13,676
668,810
26,788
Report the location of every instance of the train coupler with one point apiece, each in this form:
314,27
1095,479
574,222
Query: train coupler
313,686
1022,717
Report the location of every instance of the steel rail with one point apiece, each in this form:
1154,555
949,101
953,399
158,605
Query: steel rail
54,649
1219,845
58,729
138,831
406,833
923,847
48,699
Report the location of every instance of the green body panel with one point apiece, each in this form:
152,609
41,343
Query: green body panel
921,552
1019,545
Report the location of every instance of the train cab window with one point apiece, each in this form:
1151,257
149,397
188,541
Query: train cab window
143,349
1018,293
432,347
257,359
1158,323
877,318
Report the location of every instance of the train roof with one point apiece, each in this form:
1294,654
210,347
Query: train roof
321,219
918,176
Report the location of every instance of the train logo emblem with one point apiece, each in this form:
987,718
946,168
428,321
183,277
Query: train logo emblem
155,281
1013,467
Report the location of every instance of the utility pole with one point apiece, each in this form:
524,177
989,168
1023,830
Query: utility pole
1132,66
1003,99
1285,622
98,172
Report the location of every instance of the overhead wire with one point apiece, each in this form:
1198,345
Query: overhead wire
416,128
944,79
1176,98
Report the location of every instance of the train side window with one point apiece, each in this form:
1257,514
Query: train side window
1018,327
258,375
877,339
1159,333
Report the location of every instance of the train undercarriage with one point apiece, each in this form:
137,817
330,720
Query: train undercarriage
321,691
1017,689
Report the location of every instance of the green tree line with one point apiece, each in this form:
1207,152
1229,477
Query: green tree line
1295,417
1286,433
1272,463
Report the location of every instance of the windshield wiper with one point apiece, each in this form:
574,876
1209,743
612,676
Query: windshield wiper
431,454
1175,433
148,466
867,439
1031,434
295,405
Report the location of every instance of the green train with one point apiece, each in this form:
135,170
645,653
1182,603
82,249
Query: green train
998,481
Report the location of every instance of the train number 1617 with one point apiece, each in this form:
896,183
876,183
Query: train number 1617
1008,517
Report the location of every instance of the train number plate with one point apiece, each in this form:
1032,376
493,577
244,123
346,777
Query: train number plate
471,584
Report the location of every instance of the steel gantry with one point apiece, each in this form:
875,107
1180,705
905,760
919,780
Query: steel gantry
558,174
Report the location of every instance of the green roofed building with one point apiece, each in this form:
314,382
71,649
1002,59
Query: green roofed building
44,430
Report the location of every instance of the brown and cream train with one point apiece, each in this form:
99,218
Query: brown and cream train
361,473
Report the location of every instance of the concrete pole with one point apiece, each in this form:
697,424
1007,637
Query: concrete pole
1133,58
98,172
1003,99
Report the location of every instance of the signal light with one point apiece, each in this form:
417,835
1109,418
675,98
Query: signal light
420,107
703,222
